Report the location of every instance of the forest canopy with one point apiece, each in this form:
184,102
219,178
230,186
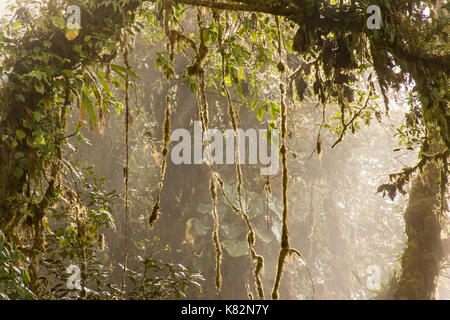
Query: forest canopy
202,149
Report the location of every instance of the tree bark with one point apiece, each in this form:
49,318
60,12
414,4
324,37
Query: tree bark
423,255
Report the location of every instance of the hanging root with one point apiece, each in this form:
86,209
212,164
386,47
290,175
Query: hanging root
234,122
281,68
202,102
247,284
285,233
204,113
294,251
267,192
197,65
443,179
257,272
250,241
127,161
197,69
166,138
171,39
215,237
165,150
285,247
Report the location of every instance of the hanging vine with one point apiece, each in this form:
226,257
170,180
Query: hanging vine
171,41
127,155
285,247
233,117
216,239
165,150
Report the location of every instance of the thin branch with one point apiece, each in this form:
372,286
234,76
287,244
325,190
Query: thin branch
346,125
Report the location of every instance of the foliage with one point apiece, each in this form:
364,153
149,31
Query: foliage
244,57
162,280
14,278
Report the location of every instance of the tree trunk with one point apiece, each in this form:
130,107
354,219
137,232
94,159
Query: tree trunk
422,257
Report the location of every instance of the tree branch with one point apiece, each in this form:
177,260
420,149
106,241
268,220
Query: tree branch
253,6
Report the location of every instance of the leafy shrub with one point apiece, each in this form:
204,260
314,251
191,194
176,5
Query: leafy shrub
14,279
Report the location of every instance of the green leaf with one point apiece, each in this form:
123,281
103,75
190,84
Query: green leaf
197,226
47,44
30,142
39,87
118,107
260,113
25,276
228,81
435,92
235,248
19,155
241,75
239,89
274,110
105,86
59,22
119,84
88,104
20,134
254,104
231,230
20,97
263,234
236,50
122,71
17,172
206,35
37,116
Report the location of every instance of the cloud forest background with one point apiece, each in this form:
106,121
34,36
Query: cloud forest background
87,179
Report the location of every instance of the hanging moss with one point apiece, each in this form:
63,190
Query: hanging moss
165,150
215,237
